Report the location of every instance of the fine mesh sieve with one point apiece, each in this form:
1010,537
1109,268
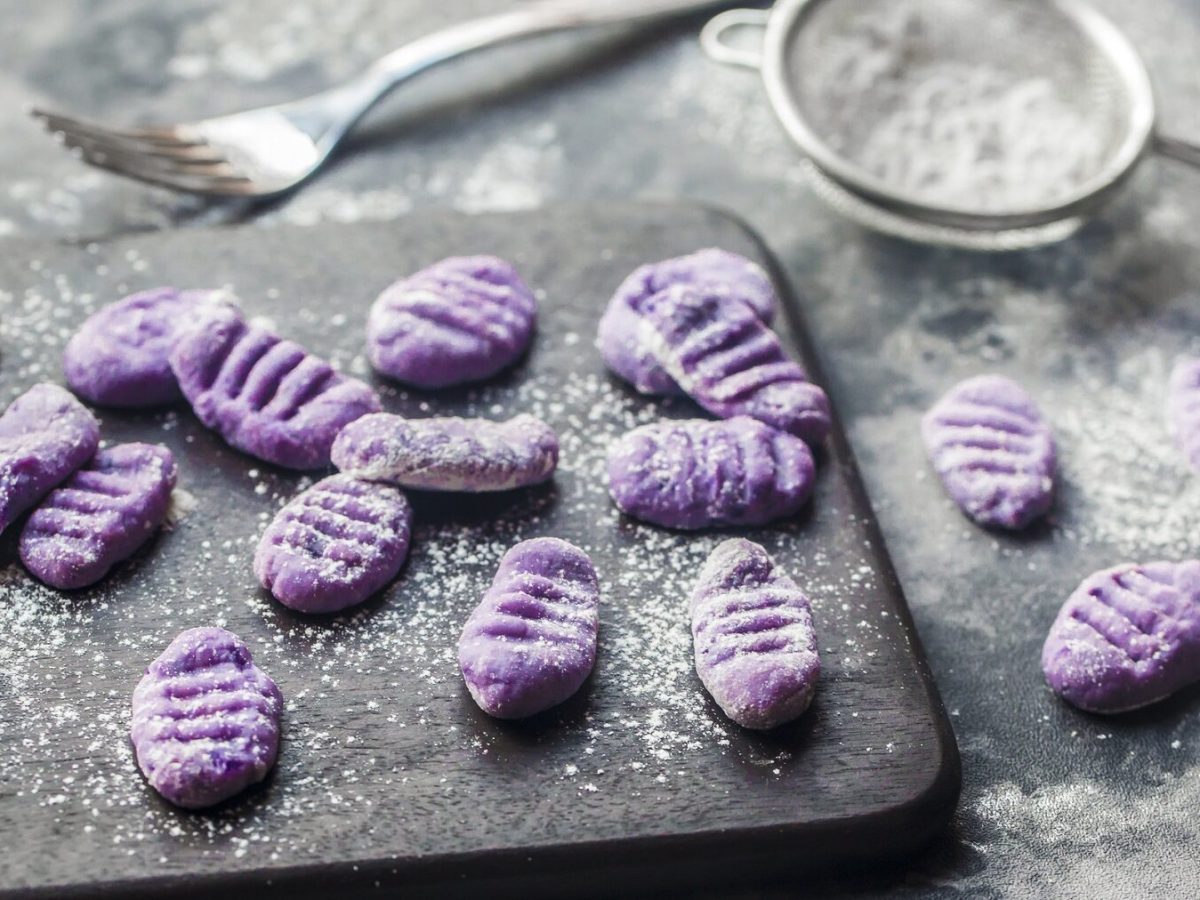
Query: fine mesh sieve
984,125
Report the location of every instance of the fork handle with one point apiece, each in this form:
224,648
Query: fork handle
526,21
344,105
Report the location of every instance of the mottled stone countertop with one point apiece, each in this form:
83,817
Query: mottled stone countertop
1054,802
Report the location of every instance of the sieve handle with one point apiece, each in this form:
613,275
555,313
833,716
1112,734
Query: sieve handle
1178,149
712,38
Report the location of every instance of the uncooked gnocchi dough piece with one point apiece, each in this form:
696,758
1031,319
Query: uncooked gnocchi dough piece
753,635
266,396
205,719
99,516
531,642
45,435
334,545
695,473
1127,637
715,270
448,453
729,362
993,451
120,355
463,319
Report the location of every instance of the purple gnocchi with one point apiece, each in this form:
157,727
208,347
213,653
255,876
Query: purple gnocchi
1127,637
753,635
723,356
712,269
266,396
1183,408
993,451
119,357
531,642
334,545
695,473
448,454
99,516
45,435
460,320
205,719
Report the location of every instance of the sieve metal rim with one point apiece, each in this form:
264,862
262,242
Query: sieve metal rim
787,18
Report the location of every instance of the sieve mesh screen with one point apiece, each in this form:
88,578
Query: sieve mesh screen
985,107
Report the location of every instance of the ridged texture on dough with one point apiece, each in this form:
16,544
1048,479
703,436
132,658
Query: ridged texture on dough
266,396
1126,637
729,362
714,270
752,630
695,473
205,719
463,319
531,642
99,516
993,451
334,545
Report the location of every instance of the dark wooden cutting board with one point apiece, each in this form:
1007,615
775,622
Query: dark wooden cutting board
389,777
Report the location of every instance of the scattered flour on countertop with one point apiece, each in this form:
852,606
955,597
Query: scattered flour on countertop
320,204
254,43
726,107
1140,824
512,174
1132,487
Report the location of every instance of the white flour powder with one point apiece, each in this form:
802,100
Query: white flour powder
911,93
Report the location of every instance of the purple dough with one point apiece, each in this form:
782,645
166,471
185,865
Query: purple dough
752,630
713,270
1127,637
698,474
45,435
119,355
462,319
266,396
334,545
205,719
99,516
729,362
620,342
448,454
1183,408
531,642
993,451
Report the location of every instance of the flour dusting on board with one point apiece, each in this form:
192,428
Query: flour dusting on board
647,657
375,708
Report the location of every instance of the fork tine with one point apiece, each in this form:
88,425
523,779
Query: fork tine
143,166
224,187
212,165
183,150
168,160
163,135
135,166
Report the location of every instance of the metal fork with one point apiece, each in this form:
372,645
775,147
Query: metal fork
267,151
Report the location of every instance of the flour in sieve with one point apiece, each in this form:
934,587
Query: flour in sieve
897,89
